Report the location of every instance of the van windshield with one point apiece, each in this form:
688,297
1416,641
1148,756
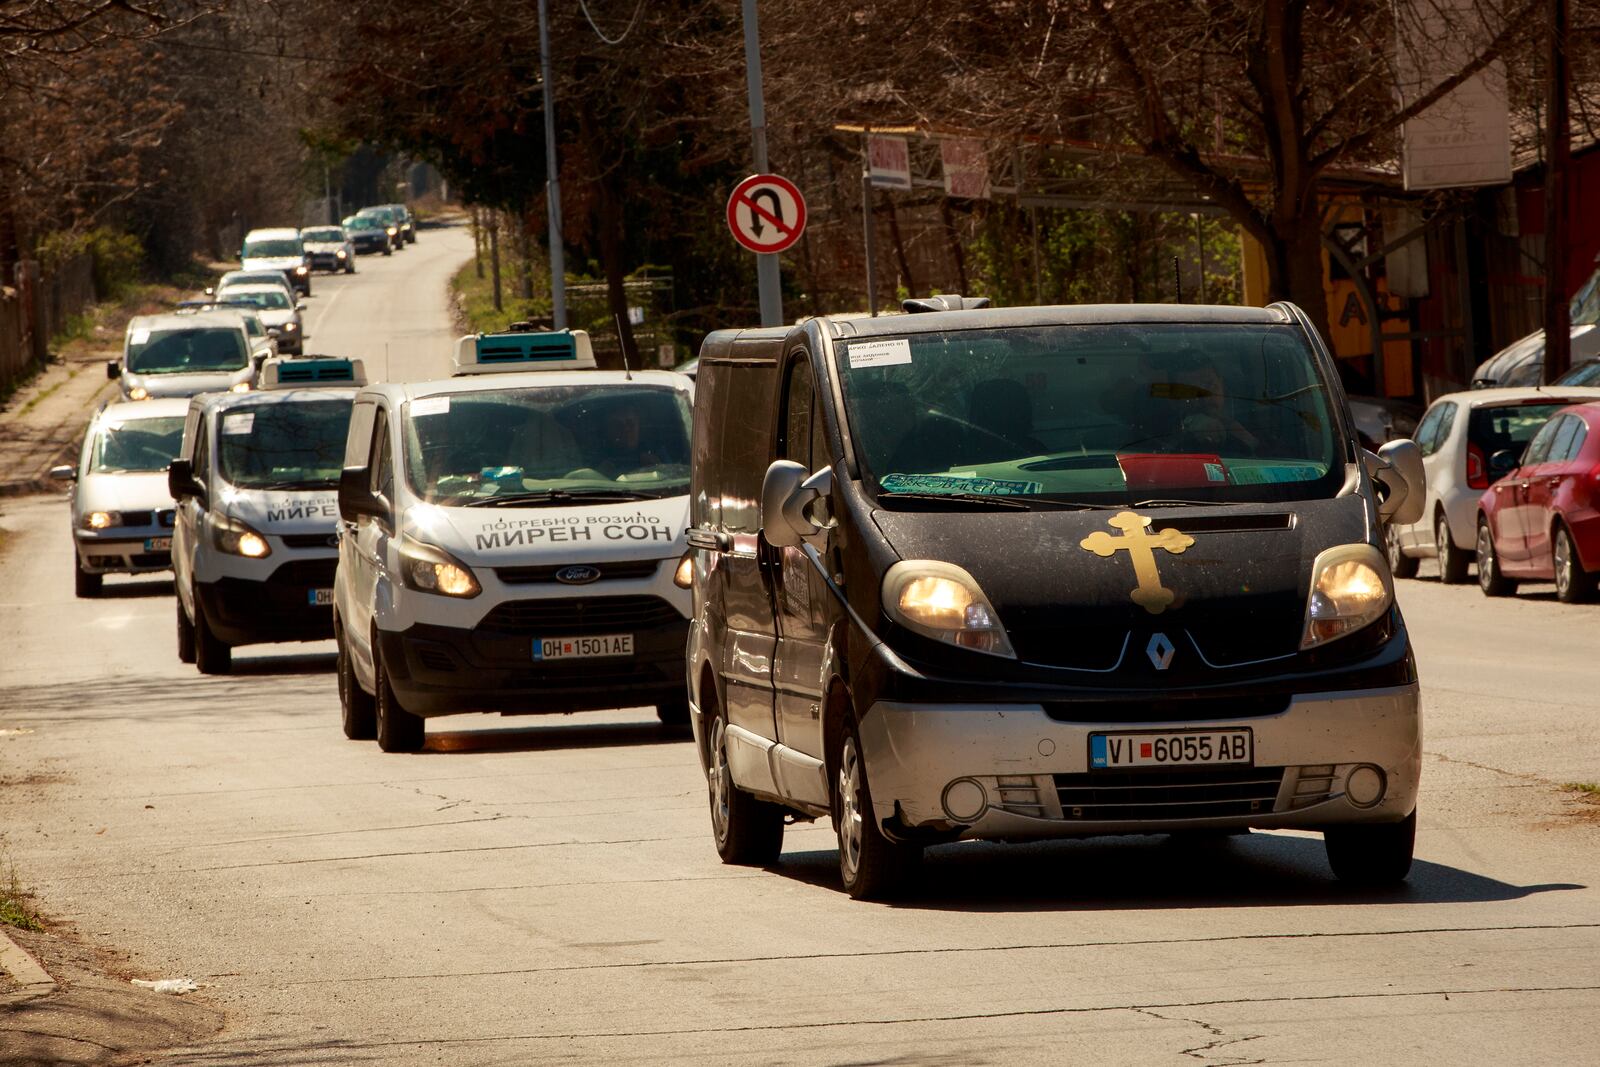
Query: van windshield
558,441
274,249
187,351
1096,414
136,445
296,445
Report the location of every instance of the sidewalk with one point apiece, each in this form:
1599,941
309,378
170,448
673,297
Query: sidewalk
42,425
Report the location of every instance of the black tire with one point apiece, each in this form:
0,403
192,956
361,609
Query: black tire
871,866
674,712
350,266
1372,855
211,654
185,634
397,730
388,251
87,586
747,831
1490,580
1574,585
356,706
1452,561
1400,564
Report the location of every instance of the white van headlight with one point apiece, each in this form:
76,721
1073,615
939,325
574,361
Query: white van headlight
237,538
138,392
100,520
942,601
1350,588
433,570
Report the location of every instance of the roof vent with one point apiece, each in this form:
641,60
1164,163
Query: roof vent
947,302
280,372
524,350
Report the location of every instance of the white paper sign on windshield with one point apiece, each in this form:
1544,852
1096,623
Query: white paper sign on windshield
430,405
888,353
139,337
238,422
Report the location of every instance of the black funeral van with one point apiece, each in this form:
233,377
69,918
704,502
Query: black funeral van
1053,571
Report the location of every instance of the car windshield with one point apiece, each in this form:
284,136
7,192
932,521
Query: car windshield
561,441
329,234
273,248
363,222
1094,414
297,445
1583,374
136,445
200,348
254,277
271,299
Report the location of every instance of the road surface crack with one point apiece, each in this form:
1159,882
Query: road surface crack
1206,1052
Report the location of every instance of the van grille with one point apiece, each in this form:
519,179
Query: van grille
619,571
1190,793
311,540
1167,709
576,617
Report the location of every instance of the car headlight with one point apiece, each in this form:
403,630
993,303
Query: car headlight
138,392
301,269
683,577
433,570
340,253
1350,588
392,231
239,387
100,520
943,601
237,538
290,327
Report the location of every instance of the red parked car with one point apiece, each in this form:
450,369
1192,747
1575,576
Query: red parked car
1541,520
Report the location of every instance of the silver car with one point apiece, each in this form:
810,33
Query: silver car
278,313
329,248
181,354
122,513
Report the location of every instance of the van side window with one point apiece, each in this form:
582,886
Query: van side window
799,415
358,445
202,449
382,470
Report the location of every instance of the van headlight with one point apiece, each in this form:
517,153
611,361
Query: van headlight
1350,588
138,392
239,387
683,577
237,538
101,520
942,601
433,570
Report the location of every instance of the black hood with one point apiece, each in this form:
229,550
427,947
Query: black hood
1238,590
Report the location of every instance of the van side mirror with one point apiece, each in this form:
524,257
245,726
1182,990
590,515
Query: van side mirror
789,494
356,497
64,473
1503,462
113,369
1398,468
181,481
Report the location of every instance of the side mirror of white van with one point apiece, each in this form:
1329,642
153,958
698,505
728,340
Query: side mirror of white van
1398,467
787,494
356,497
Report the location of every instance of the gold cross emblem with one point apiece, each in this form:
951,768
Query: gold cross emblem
1141,548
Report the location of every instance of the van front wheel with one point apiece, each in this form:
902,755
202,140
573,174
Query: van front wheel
185,635
871,866
748,832
1372,855
398,730
356,705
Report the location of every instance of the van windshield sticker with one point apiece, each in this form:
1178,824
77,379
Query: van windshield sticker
879,353
955,483
238,422
139,337
1275,473
430,405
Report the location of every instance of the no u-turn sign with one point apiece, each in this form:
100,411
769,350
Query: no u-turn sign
766,213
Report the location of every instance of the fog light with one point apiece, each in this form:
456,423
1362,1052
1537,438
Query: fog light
964,800
1365,786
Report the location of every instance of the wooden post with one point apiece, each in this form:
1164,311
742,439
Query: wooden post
494,257
1558,151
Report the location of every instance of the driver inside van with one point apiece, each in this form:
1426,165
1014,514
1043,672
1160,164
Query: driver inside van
1206,420
622,449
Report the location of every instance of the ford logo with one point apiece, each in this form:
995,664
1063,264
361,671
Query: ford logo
579,575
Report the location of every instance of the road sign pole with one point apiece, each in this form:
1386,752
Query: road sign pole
558,266
768,281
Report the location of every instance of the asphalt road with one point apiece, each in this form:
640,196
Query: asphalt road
531,890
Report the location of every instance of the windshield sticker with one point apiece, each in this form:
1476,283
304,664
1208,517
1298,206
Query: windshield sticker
864,354
430,405
1276,474
238,422
955,483
1215,472
139,337
568,529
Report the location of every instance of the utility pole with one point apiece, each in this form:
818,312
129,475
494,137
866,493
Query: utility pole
768,281
552,187
1558,152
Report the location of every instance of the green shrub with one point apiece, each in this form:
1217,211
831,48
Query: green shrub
118,256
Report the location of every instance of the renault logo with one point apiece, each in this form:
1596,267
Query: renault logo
577,575
1160,651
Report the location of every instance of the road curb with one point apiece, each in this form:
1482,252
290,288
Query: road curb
34,981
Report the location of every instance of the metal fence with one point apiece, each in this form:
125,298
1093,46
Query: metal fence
35,307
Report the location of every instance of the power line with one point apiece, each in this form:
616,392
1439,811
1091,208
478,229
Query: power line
637,8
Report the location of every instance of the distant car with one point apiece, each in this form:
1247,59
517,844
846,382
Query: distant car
184,354
254,277
1521,363
1541,522
122,514
391,223
690,368
408,222
368,233
278,313
1468,441
329,249
278,249
1586,372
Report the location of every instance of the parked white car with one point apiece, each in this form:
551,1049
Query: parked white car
1469,440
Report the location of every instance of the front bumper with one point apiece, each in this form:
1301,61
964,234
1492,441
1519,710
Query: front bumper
242,611
447,670
1036,780
123,550
326,261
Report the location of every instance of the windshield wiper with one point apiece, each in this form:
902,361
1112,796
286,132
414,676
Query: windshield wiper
1019,502
542,497
313,483
1160,502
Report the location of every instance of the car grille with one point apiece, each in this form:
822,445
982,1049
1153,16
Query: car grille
147,518
150,559
314,573
576,617
311,540
1189,793
609,572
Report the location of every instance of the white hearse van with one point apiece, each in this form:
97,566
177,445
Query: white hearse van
255,542
514,540
278,249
